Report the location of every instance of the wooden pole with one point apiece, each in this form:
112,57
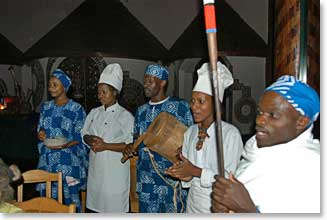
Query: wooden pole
211,30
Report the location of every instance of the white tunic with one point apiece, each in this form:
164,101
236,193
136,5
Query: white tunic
283,178
198,200
108,179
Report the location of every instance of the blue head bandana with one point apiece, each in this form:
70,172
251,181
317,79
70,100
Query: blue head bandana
158,71
301,96
64,79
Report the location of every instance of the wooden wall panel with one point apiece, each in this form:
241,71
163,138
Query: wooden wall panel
287,32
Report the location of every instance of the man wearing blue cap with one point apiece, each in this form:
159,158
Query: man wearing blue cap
280,170
158,193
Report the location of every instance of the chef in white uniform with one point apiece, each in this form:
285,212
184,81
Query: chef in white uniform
199,153
106,131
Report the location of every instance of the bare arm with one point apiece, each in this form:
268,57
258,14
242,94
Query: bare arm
231,195
97,144
184,170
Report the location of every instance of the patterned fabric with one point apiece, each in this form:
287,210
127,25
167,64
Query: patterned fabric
64,121
202,134
157,70
64,79
155,195
300,95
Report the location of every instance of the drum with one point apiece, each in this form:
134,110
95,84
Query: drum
165,135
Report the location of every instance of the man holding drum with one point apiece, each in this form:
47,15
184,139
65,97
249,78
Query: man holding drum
158,192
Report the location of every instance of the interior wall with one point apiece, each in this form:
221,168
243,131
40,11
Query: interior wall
250,71
5,75
135,67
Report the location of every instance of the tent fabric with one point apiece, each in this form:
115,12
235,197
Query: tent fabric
9,54
234,36
106,28
99,28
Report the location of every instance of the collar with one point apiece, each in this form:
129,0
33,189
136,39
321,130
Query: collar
111,108
251,150
158,103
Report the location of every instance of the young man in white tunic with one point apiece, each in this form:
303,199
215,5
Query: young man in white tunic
106,131
280,172
199,163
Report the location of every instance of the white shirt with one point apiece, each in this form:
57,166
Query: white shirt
109,179
283,178
198,200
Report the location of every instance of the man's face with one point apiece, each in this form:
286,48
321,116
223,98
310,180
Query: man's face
152,85
276,122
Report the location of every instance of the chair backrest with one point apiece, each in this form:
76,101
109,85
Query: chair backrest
41,176
45,205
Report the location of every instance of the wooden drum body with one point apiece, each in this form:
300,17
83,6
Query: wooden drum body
165,136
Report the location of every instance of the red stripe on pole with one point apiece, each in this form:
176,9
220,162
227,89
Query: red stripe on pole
210,16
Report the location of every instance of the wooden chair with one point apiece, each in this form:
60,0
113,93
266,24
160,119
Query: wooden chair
133,196
83,201
45,205
41,176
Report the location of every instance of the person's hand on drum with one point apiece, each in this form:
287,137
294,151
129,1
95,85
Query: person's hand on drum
183,169
178,151
41,135
129,151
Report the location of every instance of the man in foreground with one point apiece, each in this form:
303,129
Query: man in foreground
280,170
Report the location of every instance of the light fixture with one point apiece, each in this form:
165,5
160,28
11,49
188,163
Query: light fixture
3,104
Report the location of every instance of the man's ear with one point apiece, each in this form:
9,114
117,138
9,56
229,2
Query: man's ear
163,83
302,123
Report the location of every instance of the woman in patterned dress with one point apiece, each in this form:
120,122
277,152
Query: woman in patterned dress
63,117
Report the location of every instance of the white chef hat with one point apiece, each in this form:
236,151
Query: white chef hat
204,83
112,75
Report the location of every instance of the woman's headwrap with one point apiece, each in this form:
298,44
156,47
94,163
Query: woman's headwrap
63,77
204,83
158,71
300,95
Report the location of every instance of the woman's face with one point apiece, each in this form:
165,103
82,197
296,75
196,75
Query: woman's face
202,108
55,87
107,95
